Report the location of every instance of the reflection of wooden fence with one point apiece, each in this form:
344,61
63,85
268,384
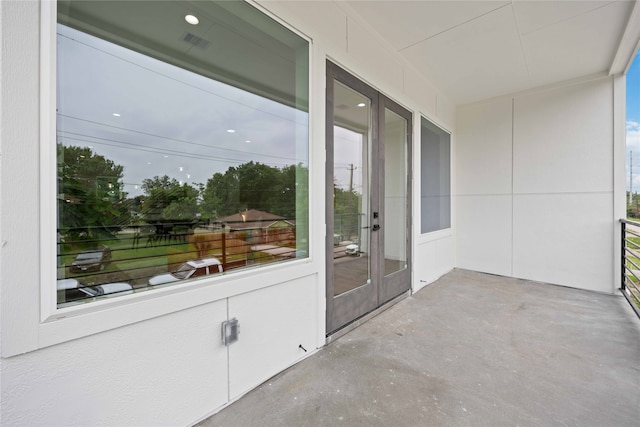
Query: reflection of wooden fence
234,249
284,235
261,236
232,252
220,244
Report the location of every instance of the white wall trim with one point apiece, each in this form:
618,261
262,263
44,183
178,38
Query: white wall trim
629,44
48,154
619,174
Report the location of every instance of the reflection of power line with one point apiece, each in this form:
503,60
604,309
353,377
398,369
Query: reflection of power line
157,136
180,81
168,151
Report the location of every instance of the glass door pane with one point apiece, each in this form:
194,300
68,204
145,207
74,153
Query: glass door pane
395,192
351,177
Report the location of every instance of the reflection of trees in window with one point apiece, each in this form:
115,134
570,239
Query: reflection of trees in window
346,212
92,199
167,198
253,186
90,193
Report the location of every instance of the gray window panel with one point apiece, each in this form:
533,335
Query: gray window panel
435,179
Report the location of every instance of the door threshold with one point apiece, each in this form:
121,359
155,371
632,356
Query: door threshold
359,321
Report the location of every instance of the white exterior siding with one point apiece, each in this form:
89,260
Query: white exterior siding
167,371
484,187
535,185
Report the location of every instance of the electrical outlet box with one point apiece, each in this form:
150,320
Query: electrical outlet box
230,331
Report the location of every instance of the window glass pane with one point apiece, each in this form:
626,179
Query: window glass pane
351,178
182,150
435,178
395,192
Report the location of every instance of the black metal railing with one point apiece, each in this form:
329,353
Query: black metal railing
95,257
630,263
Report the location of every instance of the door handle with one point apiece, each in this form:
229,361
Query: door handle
375,227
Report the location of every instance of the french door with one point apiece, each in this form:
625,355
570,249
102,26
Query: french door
368,198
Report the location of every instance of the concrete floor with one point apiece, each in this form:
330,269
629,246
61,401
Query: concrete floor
469,350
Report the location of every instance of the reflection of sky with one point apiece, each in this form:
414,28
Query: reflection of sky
633,121
157,119
347,155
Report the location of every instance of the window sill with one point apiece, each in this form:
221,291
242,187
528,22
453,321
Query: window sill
434,235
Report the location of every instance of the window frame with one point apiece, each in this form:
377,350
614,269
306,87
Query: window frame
62,324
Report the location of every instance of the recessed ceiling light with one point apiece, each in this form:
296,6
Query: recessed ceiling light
116,114
231,130
362,104
192,20
247,141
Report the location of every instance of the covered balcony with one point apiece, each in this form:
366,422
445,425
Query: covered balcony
506,301
471,349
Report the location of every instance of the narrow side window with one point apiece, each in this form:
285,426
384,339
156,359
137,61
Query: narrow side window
435,178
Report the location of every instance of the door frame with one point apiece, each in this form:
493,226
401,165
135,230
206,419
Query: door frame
356,303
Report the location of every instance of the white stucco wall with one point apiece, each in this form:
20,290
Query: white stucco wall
156,359
535,185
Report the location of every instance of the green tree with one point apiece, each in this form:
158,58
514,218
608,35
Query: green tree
347,205
283,199
91,201
259,187
255,186
221,194
167,199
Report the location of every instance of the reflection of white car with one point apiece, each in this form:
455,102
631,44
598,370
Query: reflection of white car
72,290
189,270
94,259
351,249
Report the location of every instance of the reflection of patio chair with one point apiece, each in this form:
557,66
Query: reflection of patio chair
169,232
180,233
152,239
135,241
161,232
149,240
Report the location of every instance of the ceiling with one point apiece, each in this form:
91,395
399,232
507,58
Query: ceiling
473,50
233,42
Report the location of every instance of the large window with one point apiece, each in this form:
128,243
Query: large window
182,144
435,179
